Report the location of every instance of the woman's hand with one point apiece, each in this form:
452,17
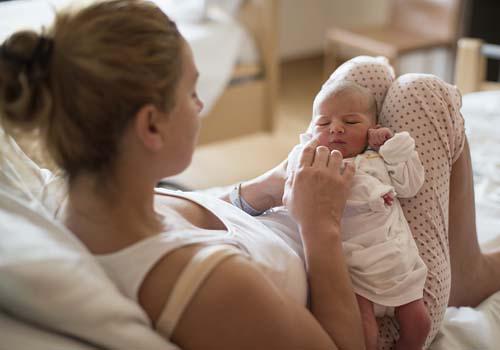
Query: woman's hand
317,190
315,194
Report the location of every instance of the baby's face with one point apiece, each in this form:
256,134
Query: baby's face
342,123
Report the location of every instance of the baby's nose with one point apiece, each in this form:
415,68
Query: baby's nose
336,128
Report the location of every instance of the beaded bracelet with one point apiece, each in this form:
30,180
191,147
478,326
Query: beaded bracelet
238,201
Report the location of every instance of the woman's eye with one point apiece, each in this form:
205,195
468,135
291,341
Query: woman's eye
194,95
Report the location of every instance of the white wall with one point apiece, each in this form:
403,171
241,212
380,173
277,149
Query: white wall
304,22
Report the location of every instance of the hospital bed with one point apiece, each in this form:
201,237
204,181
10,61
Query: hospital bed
468,328
24,312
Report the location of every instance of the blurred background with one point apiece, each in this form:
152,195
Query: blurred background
261,63
306,56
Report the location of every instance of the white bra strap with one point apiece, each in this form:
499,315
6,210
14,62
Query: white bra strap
191,278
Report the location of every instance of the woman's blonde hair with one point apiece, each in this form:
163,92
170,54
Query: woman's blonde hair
83,81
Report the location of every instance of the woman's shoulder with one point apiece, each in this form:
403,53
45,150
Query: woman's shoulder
221,286
161,280
235,306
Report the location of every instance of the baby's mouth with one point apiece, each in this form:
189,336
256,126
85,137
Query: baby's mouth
335,141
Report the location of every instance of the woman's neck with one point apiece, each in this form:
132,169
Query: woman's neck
110,217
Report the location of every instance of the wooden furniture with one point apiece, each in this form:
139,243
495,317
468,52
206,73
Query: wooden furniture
470,68
237,135
248,104
412,25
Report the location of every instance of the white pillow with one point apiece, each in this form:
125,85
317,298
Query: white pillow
196,11
230,7
188,11
23,335
48,277
23,179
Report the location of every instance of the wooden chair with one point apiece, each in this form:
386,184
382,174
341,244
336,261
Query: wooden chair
470,68
413,25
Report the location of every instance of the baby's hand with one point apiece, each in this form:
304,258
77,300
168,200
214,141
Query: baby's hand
388,199
377,137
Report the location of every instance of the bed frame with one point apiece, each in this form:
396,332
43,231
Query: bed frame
249,102
470,68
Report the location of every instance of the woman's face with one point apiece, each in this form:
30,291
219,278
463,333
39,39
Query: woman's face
183,119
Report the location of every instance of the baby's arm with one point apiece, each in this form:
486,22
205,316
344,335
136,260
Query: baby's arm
403,164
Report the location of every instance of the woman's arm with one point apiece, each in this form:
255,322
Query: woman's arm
264,191
238,307
315,195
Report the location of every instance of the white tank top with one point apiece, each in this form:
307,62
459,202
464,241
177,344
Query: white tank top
276,259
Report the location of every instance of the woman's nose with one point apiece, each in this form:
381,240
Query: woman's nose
199,104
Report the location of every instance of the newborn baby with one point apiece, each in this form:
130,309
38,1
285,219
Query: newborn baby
387,272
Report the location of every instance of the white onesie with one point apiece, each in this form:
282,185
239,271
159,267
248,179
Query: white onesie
380,251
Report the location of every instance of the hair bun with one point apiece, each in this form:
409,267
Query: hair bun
24,67
41,53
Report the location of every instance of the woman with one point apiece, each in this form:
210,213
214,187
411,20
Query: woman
112,89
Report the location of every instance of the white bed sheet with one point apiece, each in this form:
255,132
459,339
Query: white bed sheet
479,328
481,111
218,41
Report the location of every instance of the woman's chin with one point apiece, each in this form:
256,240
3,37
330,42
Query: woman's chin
178,167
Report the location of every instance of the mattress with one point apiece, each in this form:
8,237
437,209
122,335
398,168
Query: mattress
218,41
481,111
468,328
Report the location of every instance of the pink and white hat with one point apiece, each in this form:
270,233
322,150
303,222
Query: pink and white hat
373,73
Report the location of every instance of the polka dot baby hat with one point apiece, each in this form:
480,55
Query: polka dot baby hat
373,73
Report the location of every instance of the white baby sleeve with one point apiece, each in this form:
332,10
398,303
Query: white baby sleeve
403,164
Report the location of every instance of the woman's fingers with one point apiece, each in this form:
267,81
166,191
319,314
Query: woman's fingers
308,153
321,159
335,159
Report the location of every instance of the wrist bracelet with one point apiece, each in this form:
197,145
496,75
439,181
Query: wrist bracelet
238,201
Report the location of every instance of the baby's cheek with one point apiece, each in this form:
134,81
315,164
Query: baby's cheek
323,138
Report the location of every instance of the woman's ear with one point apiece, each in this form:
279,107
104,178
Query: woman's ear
148,123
